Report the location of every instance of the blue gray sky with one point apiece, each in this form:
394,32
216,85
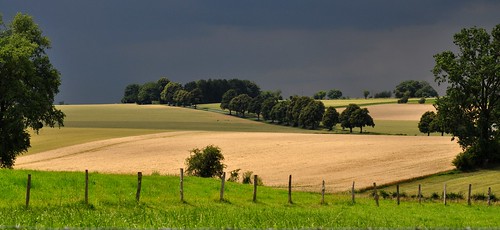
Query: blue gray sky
299,47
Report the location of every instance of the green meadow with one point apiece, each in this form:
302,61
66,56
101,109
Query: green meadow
57,201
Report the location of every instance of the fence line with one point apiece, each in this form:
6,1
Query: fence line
255,182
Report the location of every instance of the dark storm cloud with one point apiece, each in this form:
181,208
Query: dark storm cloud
297,46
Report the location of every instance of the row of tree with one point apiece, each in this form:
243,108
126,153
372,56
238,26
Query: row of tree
165,91
303,112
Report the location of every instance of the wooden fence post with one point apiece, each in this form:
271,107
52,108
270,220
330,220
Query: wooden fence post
444,194
352,193
86,186
223,179
182,184
375,193
419,193
489,196
28,191
397,193
139,185
290,189
323,193
254,188
469,194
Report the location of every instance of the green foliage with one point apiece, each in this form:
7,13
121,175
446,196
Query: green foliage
206,162
345,117
131,94
412,88
168,93
28,84
425,122
278,112
366,93
421,100
403,100
361,118
330,118
182,97
255,105
334,94
472,103
311,115
320,95
234,176
148,93
247,177
383,94
295,107
226,99
267,106
240,104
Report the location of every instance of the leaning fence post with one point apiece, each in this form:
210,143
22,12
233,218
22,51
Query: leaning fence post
254,188
222,186
469,194
397,192
489,196
323,193
181,177
376,193
86,186
290,189
28,190
444,194
419,193
139,185
352,193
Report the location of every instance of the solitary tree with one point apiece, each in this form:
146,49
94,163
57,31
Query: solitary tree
226,98
330,118
320,95
334,94
473,95
425,122
366,93
206,162
361,118
28,84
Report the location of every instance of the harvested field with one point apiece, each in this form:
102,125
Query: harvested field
397,112
310,158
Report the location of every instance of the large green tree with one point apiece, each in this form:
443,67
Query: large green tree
226,99
361,118
426,121
168,93
472,101
330,118
131,94
240,104
28,84
311,115
345,116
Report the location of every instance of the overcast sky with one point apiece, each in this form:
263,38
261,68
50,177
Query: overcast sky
299,47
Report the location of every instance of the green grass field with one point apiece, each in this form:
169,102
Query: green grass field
57,202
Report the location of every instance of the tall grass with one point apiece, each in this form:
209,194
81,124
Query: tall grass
57,201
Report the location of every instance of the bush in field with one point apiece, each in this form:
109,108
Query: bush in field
234,176
206,162
421,100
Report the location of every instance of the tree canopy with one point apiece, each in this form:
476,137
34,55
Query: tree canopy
412,88
472,101
28,84
330,118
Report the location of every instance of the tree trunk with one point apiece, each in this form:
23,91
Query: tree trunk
428,134
350,129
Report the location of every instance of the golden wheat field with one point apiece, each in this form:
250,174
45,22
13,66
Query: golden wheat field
309,158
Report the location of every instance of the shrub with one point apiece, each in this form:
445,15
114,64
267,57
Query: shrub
465,160
421,101
384,194
401,195
455,196
247,178
479,196
403,100
234,176
206,162
435,196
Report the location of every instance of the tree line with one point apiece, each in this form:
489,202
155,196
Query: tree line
297,111
165,91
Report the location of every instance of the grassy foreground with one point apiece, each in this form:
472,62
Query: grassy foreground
57,201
